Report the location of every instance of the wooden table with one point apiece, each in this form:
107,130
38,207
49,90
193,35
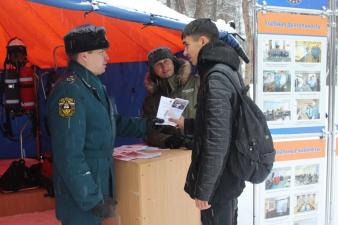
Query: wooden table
150,191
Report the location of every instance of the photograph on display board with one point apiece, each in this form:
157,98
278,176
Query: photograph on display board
277,110
277,51
308,51
305,203
308,109
278,223
307,81
278,178
276,81
308,221
277,207
306,174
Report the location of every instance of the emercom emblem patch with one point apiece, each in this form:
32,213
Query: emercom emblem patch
66,107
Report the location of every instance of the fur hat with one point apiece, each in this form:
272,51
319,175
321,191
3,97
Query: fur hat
85,38
158,54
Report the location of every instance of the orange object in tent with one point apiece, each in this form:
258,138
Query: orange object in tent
42,29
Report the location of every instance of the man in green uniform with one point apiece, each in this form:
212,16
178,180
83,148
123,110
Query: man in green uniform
170,77
83,128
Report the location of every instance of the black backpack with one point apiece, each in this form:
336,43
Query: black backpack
15,176
253,156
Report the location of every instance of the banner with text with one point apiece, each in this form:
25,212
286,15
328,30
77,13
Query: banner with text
303,4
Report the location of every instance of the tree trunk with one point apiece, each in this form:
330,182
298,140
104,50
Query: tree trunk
248,76
214,10
177,6
199,9
182,6
169,3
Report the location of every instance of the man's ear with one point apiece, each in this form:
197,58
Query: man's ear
204,40
83,56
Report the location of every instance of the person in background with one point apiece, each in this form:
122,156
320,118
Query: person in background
209,181
83,127
170,77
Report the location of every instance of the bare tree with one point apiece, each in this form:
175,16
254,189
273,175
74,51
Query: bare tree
169,3
206,9
200,10
226,10
239,11
214,10
179,6
246,7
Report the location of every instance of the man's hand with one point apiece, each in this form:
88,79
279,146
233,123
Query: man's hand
174,141
202,205
179,122
105,209
157,120
153,122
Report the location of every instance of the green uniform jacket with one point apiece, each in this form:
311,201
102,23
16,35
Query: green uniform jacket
83,128
181,85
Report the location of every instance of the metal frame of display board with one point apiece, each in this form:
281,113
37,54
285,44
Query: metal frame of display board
331,149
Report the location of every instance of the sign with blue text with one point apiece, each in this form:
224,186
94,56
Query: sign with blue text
303,4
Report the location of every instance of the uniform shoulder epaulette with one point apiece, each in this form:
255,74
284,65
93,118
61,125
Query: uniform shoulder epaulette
70,77
64,79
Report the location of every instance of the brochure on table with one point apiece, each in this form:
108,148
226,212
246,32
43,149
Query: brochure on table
137,151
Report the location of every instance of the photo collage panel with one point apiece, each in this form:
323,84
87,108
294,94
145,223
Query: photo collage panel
292,194
292,78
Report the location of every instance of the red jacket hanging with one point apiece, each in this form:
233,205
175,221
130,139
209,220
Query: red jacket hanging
27,87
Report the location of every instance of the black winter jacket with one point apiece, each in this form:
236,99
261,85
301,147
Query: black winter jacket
208,178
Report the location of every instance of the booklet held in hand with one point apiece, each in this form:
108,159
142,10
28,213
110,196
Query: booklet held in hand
170,108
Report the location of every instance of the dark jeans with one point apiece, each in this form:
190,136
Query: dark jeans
220,214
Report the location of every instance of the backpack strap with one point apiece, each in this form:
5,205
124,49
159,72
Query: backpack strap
241,89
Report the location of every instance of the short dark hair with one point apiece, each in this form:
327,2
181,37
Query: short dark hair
201,27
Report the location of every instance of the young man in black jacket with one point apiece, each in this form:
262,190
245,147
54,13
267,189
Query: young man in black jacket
209,181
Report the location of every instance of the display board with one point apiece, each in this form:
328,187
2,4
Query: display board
304,4
293,193
291,72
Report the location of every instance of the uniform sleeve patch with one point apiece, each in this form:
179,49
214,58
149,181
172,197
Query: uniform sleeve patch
66,107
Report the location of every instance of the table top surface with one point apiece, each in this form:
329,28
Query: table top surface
165,154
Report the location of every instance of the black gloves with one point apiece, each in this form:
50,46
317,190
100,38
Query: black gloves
174,141
157,120
153,122
105,209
